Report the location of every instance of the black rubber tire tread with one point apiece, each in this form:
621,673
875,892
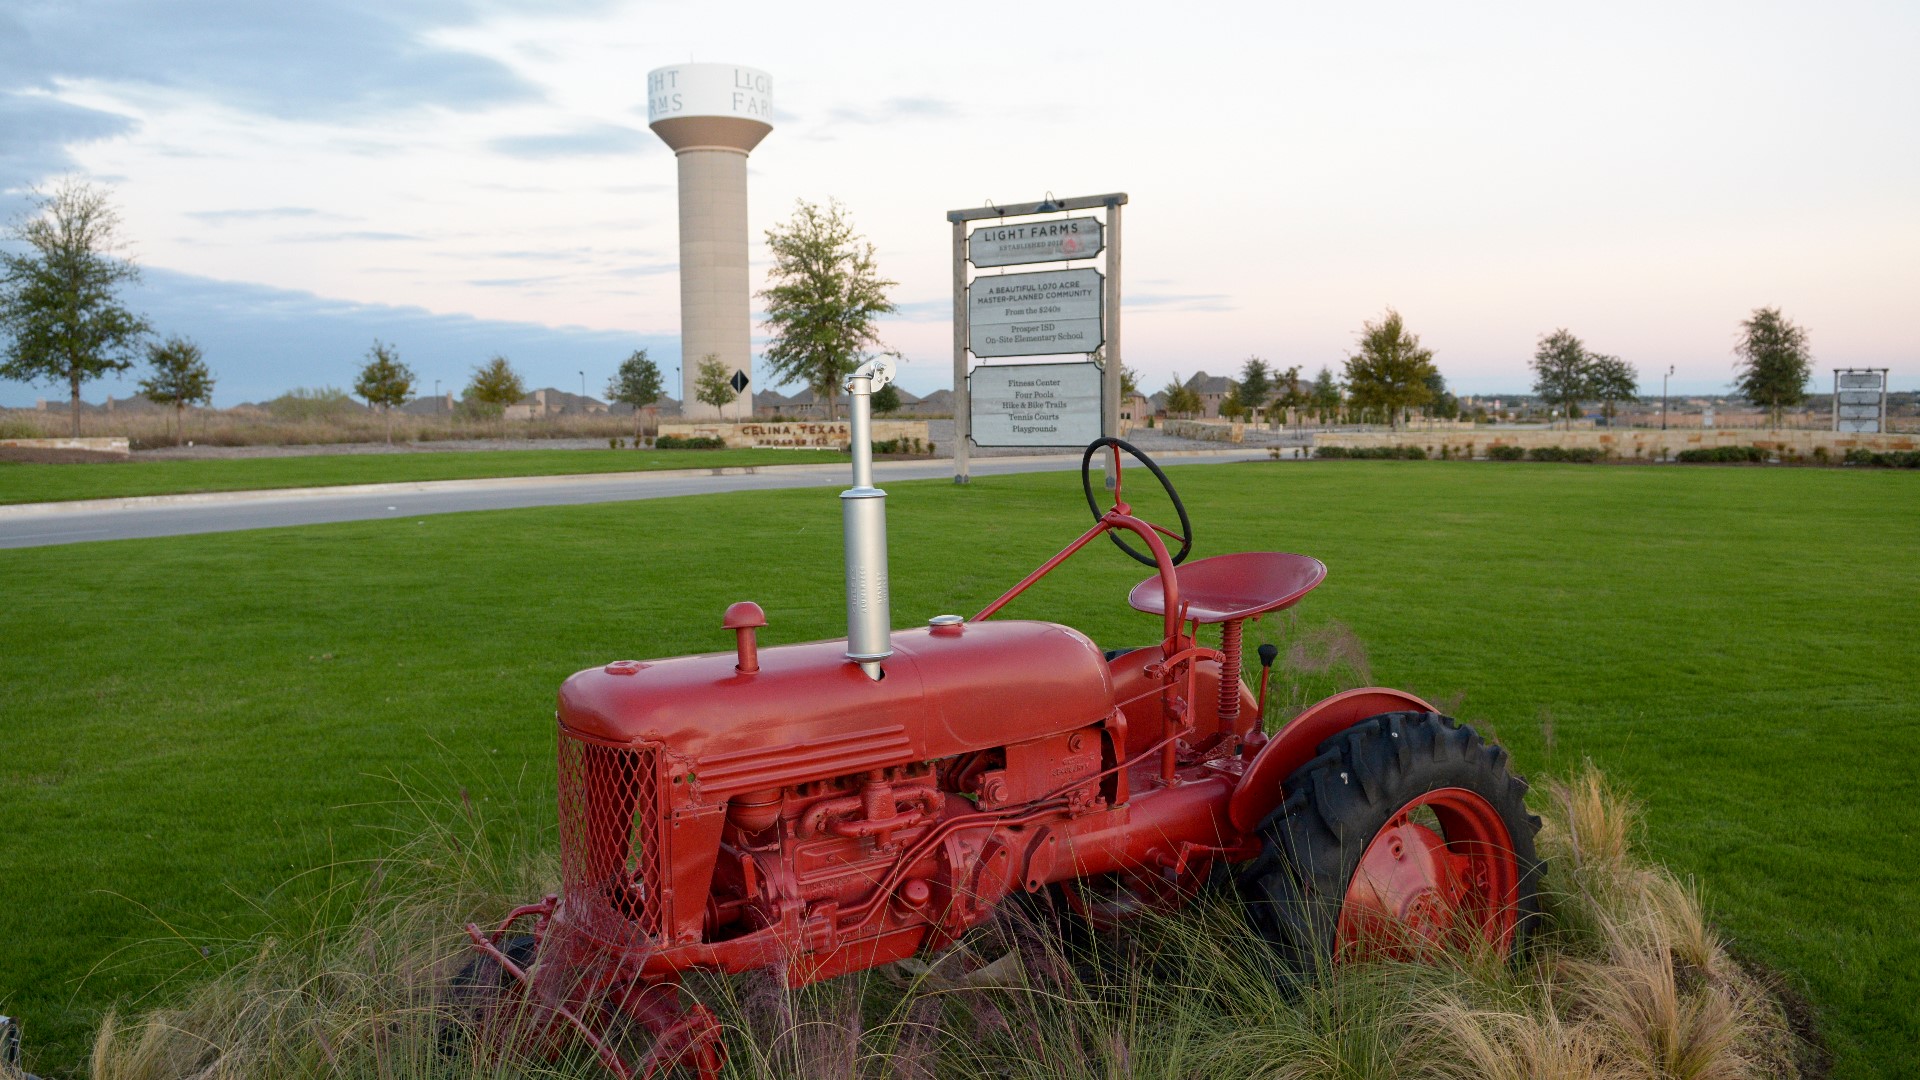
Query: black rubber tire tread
1335,805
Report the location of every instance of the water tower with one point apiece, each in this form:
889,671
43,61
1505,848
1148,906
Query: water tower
713,115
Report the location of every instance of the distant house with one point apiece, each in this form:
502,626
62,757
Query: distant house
938,403
429,406
548,402
1212,390
769,403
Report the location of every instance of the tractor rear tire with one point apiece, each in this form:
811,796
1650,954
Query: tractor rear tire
1409,788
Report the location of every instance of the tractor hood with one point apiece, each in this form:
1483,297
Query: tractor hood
810,713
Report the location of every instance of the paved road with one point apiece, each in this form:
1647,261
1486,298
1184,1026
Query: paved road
45,524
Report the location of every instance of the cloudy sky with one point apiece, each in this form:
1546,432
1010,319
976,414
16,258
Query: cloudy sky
461,178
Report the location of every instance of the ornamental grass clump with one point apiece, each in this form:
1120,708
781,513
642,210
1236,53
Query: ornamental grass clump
1625,980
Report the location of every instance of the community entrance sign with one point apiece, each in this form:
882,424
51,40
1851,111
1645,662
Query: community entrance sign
1035,404
1035,314
1860,400
1071,311
1037,241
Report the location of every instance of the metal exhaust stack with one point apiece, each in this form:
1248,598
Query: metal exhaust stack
863,511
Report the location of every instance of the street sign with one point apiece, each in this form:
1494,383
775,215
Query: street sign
1057,311
738,382
1036,241
1035,404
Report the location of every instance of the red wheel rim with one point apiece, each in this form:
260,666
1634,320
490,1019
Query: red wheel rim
1419,889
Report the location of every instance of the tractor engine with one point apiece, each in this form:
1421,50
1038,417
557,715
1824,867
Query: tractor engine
736,809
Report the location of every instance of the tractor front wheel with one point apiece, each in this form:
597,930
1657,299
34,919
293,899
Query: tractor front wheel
1405,837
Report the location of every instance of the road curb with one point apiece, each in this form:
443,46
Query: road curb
479,483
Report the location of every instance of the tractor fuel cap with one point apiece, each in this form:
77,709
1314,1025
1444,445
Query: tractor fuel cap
946,624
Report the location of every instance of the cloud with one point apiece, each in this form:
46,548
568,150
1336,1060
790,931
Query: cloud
896,110
261,341
1178,301
326,60
599,141
264,213
39,130
293,60
373,236
924,310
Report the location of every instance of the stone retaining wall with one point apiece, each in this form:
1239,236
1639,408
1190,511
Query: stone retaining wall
1629,444
1205,430
116,445
817,434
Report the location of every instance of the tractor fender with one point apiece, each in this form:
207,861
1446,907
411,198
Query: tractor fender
1296,744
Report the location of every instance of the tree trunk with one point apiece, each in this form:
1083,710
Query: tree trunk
179,422
73,406
388,409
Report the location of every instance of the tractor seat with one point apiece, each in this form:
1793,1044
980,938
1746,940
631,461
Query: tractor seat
1237,586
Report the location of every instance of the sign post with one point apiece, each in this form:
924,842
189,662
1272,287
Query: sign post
1044,313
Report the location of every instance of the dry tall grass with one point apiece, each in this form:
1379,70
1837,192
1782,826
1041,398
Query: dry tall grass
1627,982
151,428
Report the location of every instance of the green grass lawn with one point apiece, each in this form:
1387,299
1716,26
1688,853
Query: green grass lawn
194,725
24,483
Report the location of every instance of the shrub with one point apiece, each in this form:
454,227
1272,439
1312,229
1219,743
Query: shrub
689,442
20,427
1722,453
1375,453
1505,453
901,446
1895,459
1584,455
312,403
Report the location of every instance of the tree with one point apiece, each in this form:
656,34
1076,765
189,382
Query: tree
1289,392
1181,399
1325,394
62,321
180,378
636,383
1775,362
1129,381
1233,407
1390,369
1442,405
710,382
384,382
1613,380
886,399
1562,371
825,297
1256,384
495,386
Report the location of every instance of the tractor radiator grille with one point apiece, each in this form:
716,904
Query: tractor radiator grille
611,829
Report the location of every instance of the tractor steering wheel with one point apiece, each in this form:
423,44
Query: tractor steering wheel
1185,536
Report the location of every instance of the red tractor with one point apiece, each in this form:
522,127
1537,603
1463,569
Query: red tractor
823,808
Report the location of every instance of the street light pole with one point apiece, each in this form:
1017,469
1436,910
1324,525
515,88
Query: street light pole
1663,397
583,391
